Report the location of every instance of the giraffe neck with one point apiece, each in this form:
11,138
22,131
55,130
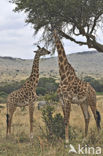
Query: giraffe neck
65,68
35,70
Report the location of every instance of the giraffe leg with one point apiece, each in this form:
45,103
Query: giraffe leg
96,116
86,114
11,112
67,109
63,107
31,110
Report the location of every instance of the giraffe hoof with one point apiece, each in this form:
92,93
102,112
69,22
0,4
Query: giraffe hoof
7,136
84,140
66,146
66,143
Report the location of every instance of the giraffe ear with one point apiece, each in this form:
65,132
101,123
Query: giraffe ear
35,51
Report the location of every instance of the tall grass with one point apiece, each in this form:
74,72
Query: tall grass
19,144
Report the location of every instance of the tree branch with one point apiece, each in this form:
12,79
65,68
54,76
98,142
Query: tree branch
95,21
94,24
91,42
71,38
76,34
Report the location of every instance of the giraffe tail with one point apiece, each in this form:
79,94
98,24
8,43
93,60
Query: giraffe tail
98,119
7,118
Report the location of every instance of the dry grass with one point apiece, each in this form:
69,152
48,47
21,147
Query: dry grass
19,143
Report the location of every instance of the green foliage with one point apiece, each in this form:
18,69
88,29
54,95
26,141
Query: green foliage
54,125
41,91
46,86
3,97
3,94
48,119
51,97
44,12
81,17
97,84
58,126
6,89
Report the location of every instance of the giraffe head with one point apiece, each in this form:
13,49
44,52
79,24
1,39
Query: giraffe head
42,51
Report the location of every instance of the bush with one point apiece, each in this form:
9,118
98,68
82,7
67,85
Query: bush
3,94
51,97
58,126
47,113
3,97
46,86
96,84
8,88
54,125
41,91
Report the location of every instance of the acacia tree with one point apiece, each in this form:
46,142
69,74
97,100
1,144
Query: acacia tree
70,17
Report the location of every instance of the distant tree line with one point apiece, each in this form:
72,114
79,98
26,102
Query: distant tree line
97,84
47,88
7,88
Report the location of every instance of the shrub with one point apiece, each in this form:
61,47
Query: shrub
54,125
41,91
47,86
47,117
9,87
58,126
51,97
3,97
96,84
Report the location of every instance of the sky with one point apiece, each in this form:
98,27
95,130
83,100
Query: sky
17,38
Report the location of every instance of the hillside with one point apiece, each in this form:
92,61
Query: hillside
86,63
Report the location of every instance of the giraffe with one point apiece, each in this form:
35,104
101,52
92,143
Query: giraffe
26,95
72,90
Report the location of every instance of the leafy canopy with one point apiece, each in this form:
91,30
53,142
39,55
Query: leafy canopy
70,17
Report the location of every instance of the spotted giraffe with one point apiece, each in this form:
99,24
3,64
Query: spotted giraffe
72,90
26,95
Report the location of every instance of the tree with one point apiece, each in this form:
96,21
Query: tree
96,84
46,86
70,17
